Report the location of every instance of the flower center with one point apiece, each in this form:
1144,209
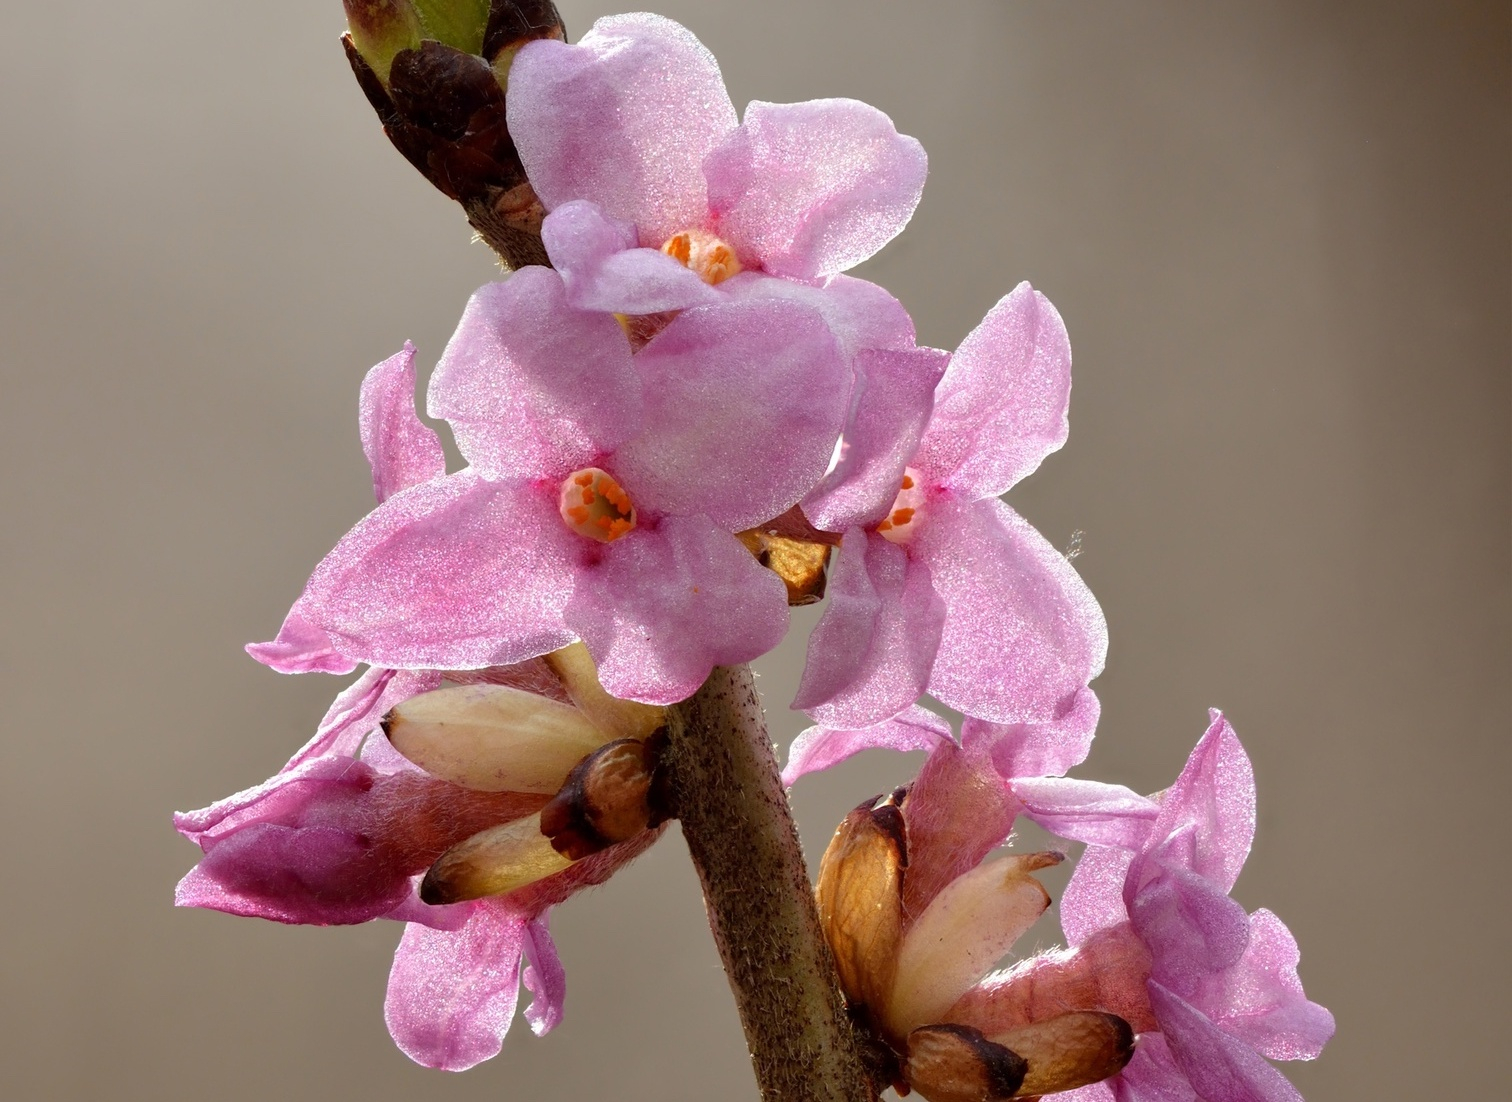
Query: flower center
594,505
703,253
902,520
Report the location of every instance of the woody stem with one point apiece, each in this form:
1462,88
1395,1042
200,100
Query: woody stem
723,784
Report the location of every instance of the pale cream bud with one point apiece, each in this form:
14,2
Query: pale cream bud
615,717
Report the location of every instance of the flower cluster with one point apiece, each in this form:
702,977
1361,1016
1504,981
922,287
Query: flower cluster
687,421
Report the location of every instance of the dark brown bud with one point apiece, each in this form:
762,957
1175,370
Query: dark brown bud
860,900
512,23
1070,1050
955,1063
607,799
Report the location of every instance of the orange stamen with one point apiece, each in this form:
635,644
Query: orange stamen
594,505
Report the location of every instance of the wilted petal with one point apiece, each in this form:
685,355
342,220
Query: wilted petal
452,994
1260,999
1087,811
1220,1068
604,270
624,119
1001,407
544,978
457,573
819,748
301,647
665,606
810,189
1093,899
744,402
534,387
356,711
889,406
402,451
1023,634
1211,807
870,655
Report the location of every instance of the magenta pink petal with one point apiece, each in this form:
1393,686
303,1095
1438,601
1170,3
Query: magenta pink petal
1087,811
870,655
534,387
603,270
1023,634
810,189
861,315
624,119
1221,1068
457,573
301,647
1152,1076
1260,1000
1190,925
400,448
544,977
890,404
1093,900
744,403
819,748
665,606
1039,749
1212,805
1001,407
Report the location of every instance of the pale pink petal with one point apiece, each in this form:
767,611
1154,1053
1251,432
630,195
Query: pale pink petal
533,387
663,607
452,916
1093,900
301,647
1220,1068
870,655
624,119
544,977
603,269
861,315
452,993
1208,815
889,406
1087,811
1023,634
457,573
1001,407
357,710
818,748
400,448
744,403
1260,1000
1039,749
1190,925
810,189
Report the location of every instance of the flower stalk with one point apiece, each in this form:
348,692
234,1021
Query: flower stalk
722,783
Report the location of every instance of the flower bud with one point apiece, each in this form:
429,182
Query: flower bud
955,1063
380,29
860,900
492,862
615,717
961,935
607,799
1069,1050
493,738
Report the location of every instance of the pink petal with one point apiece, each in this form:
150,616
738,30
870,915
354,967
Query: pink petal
810,189
1093,900
889,406
744,402
871,652
544,978
861,315
301,647
1212,807
819,748
1087,811
1039,749
400,448
452,993
1152,1076
603,269
457,573
1260,1000
1093,1092
1220,1068
1190,925
665,606
1001,407
534,387
624,119
1023,634
357,710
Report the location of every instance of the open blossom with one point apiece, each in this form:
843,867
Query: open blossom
601,499
657,191
941,586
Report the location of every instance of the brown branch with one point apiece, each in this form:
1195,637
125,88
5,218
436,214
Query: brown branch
722,783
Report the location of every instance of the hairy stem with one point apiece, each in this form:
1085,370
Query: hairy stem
723,784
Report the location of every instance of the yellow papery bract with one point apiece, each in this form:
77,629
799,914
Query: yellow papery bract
493,862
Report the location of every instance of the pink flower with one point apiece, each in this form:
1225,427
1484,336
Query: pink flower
656,192
601,498
941,586
1155,936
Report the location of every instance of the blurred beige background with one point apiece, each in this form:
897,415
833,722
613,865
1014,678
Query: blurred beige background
1279,234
